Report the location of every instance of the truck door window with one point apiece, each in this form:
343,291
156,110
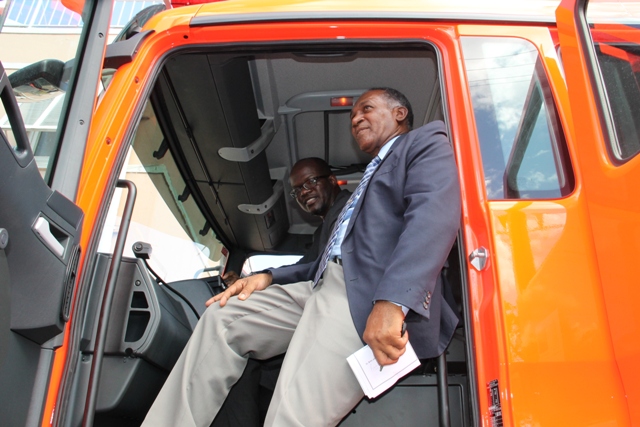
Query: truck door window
184,246
617,49
523,149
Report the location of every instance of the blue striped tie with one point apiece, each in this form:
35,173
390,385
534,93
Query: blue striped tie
368,172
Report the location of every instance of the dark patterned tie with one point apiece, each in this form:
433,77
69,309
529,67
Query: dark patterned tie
368,172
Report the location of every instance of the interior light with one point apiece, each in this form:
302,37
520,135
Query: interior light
342,101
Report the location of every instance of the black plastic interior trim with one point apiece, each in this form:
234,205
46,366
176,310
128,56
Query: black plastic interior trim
40,386
65,208
158,102
123,52
468,333
69,282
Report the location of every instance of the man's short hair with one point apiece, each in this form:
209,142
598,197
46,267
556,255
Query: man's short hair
396,97
321,166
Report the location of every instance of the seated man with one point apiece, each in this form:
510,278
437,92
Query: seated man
316,189
382,263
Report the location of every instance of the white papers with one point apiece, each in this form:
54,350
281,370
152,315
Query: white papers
374,381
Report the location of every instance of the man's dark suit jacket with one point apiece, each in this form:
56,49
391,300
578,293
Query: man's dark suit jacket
399,236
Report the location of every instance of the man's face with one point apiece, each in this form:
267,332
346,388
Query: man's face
374,122
315,199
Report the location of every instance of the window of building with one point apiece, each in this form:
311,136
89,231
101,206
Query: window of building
25,25
52,14
523,149
40,120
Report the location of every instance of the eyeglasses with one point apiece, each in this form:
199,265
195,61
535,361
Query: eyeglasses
307,185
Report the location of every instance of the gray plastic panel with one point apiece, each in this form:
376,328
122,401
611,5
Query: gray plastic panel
413,402
144,320
37,274
197,291
210,103
128,386
17,376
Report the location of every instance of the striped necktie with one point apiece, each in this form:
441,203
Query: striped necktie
368,173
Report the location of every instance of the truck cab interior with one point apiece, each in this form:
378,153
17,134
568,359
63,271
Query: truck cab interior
210,158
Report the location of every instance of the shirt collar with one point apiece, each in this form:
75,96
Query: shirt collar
386,147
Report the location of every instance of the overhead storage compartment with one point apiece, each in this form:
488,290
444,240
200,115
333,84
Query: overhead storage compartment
209,115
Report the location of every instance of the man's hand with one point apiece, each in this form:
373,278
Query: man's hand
243,288
383,332
230,277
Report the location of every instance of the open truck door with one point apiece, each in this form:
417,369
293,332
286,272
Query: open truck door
600,49
40,224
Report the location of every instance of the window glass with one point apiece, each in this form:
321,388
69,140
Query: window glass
616,38
523,150
183,245
5,126
537,171
36,30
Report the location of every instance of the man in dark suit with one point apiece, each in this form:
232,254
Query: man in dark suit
386,252
316,190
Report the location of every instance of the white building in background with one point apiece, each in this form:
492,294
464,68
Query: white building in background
34,30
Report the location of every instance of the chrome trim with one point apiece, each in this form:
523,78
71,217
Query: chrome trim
479,258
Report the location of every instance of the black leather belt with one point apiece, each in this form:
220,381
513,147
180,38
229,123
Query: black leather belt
336,259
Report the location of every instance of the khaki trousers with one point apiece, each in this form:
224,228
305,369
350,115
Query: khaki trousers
316,387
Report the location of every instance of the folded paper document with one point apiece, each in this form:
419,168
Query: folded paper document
372,379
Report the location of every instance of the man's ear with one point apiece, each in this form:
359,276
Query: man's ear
333,180
400,113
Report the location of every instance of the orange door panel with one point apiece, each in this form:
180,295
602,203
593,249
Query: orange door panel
611,175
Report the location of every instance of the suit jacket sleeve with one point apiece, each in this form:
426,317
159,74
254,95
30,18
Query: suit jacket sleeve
293,273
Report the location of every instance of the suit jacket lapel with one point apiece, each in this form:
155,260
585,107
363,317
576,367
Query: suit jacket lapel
356,209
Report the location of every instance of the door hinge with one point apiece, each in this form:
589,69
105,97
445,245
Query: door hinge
479,258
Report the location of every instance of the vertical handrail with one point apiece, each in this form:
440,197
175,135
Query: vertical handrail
107,300
443,391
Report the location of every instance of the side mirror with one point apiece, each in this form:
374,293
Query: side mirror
41,80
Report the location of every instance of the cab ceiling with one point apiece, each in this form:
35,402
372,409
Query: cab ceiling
208,101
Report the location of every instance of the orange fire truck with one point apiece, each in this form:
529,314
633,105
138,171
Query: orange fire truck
179,136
